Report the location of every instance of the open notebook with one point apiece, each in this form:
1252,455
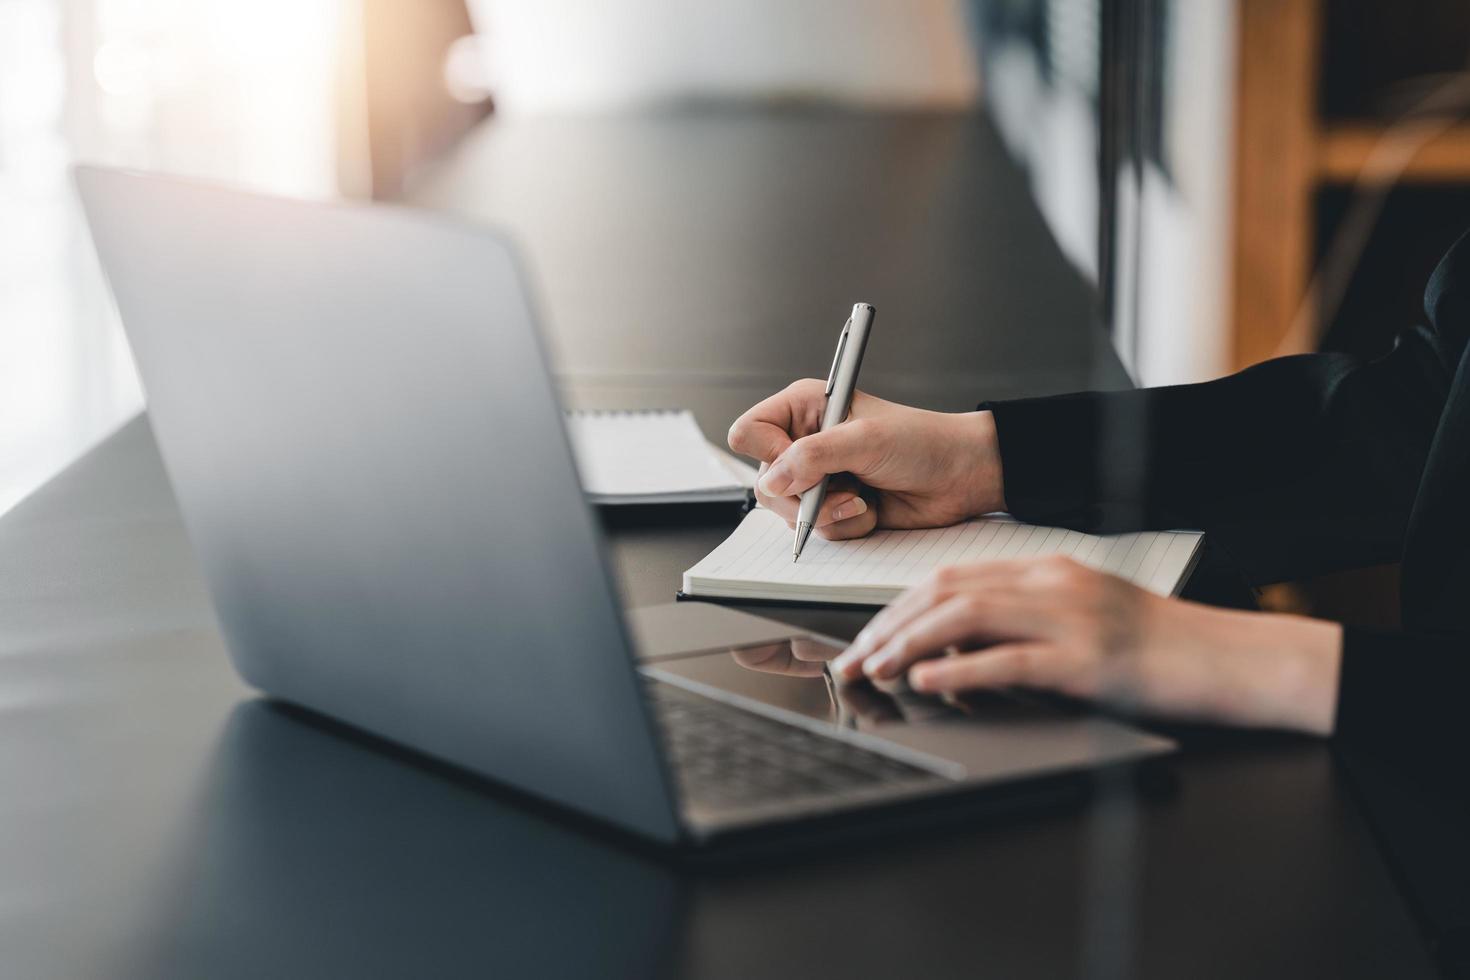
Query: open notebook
652,456
755,561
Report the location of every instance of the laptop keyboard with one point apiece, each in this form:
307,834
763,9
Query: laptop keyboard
726,756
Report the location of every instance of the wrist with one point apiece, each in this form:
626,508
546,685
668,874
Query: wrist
1278,671
983,466
1307,673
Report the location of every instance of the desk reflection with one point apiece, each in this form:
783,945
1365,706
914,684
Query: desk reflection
318,852
323,854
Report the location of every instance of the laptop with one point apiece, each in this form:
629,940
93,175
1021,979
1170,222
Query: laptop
356,415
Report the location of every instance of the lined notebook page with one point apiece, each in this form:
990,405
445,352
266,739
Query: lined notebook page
755,561
645,454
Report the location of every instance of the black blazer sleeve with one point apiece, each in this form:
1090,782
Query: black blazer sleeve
1294,467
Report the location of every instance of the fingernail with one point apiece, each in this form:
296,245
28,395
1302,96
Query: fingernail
846,665
878,666
854,507
774,483
920,679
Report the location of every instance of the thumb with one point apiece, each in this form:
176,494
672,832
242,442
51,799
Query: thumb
764,441
841,449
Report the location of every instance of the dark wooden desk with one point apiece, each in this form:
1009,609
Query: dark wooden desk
157,820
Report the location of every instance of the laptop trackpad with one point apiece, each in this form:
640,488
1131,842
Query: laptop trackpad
790,676
991,735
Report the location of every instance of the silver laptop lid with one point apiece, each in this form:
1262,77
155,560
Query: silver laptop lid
356,416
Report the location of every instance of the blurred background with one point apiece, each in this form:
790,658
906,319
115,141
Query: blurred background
1248,178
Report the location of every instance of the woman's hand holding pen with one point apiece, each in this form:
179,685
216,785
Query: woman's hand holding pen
892,465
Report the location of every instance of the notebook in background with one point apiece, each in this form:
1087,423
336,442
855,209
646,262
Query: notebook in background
755,561
653,456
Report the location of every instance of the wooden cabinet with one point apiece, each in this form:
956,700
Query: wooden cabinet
1287,149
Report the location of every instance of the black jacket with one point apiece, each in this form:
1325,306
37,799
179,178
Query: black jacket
1294,467
1299,466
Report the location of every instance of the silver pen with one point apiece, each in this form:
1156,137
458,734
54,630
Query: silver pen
841,383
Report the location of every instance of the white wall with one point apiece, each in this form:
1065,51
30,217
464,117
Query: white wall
1186,228
226,89
576,55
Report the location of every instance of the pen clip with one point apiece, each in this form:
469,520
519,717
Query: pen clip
837,358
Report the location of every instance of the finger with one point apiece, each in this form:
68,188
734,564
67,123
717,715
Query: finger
839,507
965,619
1024,664
912,603
758,656
936,588
1011,580
768,428
783,507
846,448
836,508
812,651
860,523
939,585
837,504
760,440
776,659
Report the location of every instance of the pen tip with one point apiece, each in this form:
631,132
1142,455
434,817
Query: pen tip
803,531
